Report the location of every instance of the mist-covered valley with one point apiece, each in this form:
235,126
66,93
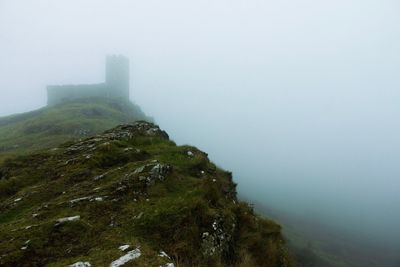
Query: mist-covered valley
299,99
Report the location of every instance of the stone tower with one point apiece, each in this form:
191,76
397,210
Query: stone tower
115,86
117,76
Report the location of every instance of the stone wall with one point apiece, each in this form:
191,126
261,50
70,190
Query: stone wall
57,94
116,85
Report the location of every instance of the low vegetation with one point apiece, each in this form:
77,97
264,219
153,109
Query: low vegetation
128,191
50,126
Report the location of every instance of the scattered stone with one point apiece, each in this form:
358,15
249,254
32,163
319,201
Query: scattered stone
124,247
68,219
152,131
152,172
214,180
131,148
121,188
131,255
139,170
209,245
98,177
18,199
168,265
98,199
190,153
128,131
163,254
160,171
205,235
215,225
79,200
81,264
218,240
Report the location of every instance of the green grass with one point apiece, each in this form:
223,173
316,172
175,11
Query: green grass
192,213
50,126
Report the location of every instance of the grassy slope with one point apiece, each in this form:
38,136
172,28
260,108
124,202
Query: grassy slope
50,126
191,211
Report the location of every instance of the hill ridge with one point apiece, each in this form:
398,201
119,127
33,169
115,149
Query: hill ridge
130,187
50,126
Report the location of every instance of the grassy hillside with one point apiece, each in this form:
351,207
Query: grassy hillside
128,195
51,126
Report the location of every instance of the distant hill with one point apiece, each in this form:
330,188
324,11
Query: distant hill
50,126
128,196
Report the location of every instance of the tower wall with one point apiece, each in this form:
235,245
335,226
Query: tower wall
117,76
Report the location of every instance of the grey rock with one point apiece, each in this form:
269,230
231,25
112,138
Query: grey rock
81,264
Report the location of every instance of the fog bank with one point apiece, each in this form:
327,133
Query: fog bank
300,99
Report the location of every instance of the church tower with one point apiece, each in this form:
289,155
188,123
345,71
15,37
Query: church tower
117,76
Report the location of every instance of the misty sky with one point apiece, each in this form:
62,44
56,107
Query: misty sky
299,98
